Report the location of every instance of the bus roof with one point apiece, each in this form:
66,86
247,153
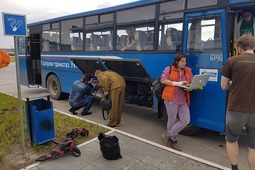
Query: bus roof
97,11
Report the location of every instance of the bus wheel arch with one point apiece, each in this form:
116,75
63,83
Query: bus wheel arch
54,87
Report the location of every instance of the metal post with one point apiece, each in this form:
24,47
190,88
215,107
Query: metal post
19,93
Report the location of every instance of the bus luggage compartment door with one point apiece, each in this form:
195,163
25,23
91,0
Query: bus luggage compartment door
130,69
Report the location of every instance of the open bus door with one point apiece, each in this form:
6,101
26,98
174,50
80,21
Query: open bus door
205,43
235,15
232,33
33,59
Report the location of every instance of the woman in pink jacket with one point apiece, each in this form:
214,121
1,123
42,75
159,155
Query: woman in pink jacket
176,99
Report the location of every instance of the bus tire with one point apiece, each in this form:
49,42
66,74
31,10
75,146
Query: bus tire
54,87
190,130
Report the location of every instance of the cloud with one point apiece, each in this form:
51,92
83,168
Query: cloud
103,5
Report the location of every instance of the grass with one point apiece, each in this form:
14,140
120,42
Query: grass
10,133
12,59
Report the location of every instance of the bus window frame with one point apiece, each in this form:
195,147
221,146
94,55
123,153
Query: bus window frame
88,47
72,31
55,44
137,27
131,20
209,40
162,33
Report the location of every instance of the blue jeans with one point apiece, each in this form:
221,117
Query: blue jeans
87,102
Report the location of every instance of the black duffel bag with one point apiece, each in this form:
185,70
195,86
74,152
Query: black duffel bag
109,146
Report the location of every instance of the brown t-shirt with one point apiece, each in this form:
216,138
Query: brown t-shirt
241,70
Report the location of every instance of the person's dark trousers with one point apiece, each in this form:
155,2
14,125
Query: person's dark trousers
160,108
87,102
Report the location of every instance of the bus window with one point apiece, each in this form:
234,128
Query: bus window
46,26
198,3
170,25
101,38
106,44
94,41
72,35
55,25
171,6
205,34
50,40
45,40
143,14
54,43
135,33
99,41
106,18
99,21
76,41
21,44
135,38
150,40
170,37
122,39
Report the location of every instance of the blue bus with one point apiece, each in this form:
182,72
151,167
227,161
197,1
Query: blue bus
58,50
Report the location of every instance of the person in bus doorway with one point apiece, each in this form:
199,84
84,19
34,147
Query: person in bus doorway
81,95
114,87
238,78
246,24
176,99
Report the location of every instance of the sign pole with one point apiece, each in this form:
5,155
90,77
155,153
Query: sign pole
19,93
16,25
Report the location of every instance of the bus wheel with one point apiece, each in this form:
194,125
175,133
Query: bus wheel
54,87
190,130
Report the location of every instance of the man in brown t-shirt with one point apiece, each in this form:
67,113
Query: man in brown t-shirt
238,77
113,85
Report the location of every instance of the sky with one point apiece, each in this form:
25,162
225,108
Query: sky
37,10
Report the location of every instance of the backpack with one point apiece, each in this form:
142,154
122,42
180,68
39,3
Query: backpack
109,146
145,100
158,88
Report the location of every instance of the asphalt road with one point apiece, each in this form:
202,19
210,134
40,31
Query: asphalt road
142,122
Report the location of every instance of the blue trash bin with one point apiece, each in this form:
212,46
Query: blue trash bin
40,120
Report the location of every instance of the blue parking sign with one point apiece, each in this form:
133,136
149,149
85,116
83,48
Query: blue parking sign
14,24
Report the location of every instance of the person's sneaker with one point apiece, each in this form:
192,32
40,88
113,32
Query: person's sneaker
174,145
164,139
85,113
73,111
